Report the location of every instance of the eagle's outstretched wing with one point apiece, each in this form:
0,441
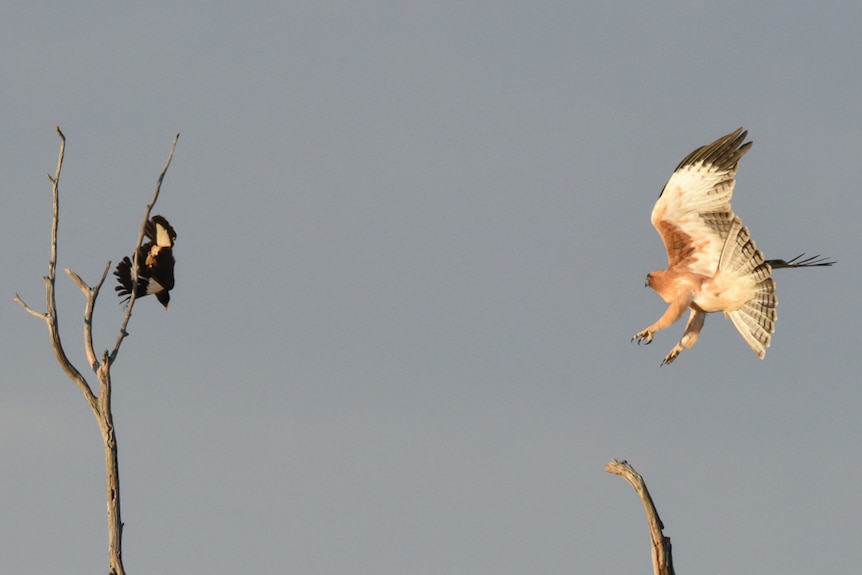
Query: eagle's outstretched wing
693,213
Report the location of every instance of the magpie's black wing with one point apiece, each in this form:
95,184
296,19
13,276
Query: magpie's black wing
160,269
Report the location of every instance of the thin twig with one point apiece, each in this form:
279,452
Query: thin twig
28,309
123,333
55,182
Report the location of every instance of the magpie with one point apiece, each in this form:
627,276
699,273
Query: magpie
155,264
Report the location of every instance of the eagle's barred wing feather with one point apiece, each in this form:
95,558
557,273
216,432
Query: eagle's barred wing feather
693,213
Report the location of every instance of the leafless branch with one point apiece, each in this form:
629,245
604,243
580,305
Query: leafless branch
662,560
123,333
28,309
90,293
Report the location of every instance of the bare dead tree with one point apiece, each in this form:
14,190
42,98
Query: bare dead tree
662,560
99,404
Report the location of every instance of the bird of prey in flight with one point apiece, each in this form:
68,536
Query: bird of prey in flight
155,264
713,264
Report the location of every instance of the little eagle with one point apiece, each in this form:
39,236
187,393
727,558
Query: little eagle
713,264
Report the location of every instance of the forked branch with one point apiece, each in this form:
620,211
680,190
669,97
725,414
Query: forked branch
90,293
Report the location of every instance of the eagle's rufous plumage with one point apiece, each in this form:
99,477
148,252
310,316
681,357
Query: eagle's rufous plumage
713,264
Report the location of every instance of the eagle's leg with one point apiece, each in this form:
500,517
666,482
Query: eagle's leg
671,314
689,337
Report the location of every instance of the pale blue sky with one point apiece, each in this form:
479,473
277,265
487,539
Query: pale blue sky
412,243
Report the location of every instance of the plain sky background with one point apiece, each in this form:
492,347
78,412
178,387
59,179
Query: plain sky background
412,244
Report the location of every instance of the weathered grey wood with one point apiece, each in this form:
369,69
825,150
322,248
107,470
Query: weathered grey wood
662,560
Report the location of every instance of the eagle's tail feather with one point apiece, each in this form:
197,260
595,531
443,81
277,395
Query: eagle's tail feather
755,320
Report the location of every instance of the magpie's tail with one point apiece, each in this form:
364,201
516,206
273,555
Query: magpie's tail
124,279
813,261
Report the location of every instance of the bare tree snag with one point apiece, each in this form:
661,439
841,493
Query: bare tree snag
99,404
662,560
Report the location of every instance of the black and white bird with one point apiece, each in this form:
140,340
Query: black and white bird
155,263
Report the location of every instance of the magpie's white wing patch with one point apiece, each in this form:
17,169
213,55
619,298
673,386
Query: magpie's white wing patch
161,232
153,286
163,237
